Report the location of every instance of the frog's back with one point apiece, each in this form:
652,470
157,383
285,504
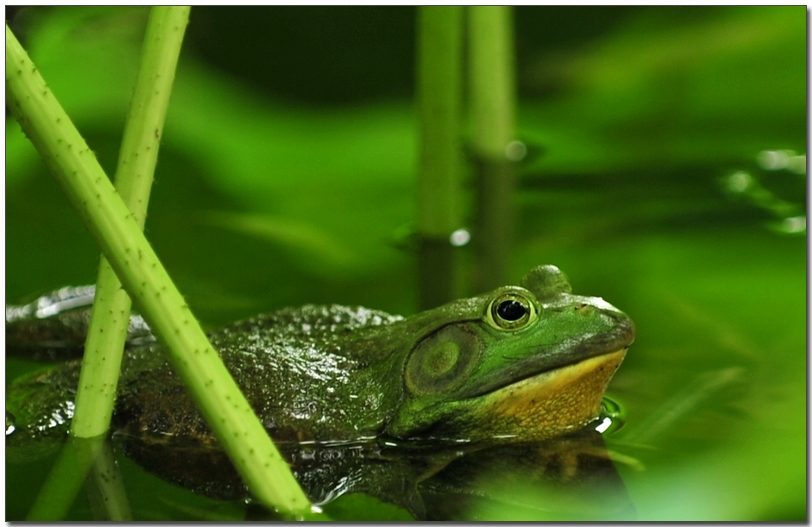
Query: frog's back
299,370
295,366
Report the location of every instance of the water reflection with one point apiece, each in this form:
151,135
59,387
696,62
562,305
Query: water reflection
567,478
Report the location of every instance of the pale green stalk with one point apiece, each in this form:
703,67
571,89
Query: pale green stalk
492,117
76,459
105,488
439,187
216,394
491,79
95,396
139,153
60,488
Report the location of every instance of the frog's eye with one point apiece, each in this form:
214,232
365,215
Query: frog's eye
512,310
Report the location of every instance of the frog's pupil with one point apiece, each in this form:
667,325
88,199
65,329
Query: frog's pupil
511,310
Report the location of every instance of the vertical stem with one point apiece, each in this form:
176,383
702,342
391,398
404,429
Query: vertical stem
105,488
96,392
492,113
77,458
60,488
439,74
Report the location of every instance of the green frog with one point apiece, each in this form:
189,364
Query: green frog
518,364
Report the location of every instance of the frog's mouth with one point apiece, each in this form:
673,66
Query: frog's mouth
553,402
539,407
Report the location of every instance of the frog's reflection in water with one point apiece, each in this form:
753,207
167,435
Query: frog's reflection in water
566,478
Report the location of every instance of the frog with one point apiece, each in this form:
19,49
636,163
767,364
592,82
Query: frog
527,362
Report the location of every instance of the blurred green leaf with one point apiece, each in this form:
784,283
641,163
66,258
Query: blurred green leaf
722,84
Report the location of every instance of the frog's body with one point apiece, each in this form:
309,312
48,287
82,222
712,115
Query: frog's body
517,364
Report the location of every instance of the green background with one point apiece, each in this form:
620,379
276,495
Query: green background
286,176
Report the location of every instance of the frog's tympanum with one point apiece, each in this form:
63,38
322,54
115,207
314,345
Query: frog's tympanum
518,364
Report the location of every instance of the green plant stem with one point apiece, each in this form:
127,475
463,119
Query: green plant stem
60,488
107,331
439,88
492,92
78,457
216,394
96,392
492,117
105,488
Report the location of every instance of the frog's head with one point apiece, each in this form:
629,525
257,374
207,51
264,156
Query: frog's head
528,362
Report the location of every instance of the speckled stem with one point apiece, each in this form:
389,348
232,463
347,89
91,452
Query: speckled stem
65,152
105,488
96,392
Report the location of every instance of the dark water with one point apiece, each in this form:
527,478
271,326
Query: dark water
569,478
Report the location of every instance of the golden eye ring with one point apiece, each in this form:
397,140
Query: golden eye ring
512,310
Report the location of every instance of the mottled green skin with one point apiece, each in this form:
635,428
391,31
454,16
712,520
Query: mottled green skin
334,374
305,371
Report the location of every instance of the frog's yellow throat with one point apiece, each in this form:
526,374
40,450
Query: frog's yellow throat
552,403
